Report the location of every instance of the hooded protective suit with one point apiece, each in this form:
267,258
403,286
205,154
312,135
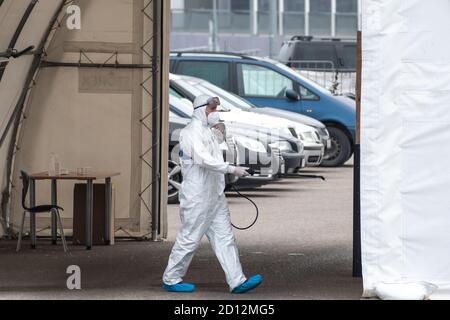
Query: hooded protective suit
203,206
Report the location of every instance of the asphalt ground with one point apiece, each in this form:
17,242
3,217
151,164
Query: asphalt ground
301,244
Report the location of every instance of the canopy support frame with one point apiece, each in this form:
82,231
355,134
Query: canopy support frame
17,116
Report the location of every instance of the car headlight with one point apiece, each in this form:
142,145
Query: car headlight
300,146
317,136
288,132
324,132
307,137
283,146
250,144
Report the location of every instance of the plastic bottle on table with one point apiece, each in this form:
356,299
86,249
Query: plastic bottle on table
54,165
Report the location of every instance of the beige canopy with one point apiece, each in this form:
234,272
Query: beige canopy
96,96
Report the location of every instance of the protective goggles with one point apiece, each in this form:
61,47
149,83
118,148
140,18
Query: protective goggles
211,101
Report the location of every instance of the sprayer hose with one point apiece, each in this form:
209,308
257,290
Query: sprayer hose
252,202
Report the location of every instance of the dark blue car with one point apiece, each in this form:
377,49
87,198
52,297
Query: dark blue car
268,83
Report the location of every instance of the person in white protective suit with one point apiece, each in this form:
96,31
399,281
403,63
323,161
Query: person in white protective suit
203,205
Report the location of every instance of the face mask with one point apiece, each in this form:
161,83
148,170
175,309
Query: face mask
217,127
213,119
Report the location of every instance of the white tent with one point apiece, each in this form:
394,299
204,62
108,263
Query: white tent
94,95
405,131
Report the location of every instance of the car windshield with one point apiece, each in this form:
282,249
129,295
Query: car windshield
231,98
173,114
349,56
174,93
197,90
313,85
180,106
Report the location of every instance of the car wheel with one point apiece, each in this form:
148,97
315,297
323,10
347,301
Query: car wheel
349,157
340,150
175,179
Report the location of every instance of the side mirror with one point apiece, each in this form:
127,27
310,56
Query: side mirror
292,95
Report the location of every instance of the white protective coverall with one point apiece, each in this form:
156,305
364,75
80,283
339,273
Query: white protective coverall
203,206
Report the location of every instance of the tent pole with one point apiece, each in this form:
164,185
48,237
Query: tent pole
31,73
156,125
357,263
22,23
11,46
5,195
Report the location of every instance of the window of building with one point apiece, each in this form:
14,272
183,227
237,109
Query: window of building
257,81
226,5
265,16
264,5
347,6
236,18
320,6
215,72
295,5
198,4
346,18
177,4
294,17
240,5
320,17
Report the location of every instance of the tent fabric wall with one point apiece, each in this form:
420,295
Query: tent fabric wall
405,128
90,117
13,80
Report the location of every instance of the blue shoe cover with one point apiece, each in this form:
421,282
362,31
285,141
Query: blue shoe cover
180,288
249,285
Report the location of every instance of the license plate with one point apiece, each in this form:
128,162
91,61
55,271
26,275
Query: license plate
329,144
283,169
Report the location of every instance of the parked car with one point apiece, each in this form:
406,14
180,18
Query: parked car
350,96
268,83
240,111
303,132
307,52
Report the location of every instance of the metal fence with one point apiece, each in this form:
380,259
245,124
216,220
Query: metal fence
326,74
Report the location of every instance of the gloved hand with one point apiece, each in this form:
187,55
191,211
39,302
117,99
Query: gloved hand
241,172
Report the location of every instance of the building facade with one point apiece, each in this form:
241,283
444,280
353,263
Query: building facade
249,19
